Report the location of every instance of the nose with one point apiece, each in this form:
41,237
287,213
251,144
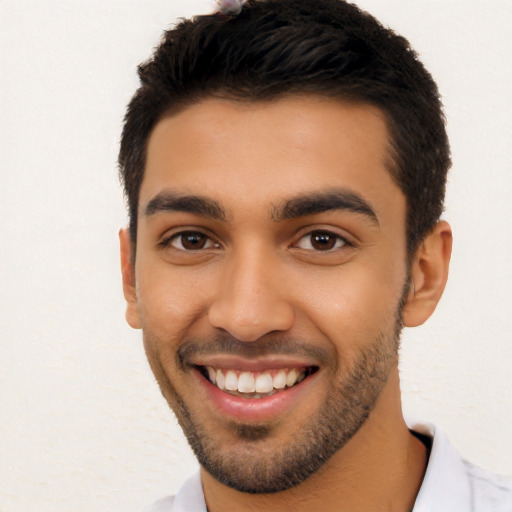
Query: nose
251,299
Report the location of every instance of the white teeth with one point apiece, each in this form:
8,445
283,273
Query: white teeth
246,383
291,378
280,380
211,374
264,383
231,383
220,379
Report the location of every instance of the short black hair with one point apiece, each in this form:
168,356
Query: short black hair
274,48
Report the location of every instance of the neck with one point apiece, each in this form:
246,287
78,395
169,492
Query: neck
380,468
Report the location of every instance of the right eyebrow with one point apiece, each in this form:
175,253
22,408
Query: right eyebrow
323,201
169,201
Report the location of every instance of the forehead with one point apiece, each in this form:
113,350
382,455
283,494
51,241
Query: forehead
259,153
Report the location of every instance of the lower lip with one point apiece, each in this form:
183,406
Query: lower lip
255,409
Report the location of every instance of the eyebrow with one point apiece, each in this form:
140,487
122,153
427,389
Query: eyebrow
168,201
319,202
300,206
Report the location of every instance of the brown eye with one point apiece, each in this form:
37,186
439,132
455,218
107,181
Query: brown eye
321,241
191,241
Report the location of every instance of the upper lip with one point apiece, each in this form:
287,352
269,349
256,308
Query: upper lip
232,362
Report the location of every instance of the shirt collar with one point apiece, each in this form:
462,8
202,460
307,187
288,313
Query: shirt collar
445,487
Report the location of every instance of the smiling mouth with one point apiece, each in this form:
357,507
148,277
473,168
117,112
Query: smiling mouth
255,384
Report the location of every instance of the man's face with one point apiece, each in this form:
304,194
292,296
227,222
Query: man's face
270,267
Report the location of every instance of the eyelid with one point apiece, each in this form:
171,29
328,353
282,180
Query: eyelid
348,240
166,239
339,242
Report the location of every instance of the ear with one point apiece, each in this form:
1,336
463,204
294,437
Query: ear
429,272
128,272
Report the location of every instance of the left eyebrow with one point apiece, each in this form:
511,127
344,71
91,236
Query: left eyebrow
169,201
319,202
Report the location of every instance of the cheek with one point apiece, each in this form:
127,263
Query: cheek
355,302
170,299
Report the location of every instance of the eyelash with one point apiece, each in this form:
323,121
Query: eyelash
324,233
338,239
167,242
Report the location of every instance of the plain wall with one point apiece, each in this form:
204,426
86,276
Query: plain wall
82,424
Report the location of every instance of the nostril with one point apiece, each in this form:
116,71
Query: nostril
251,321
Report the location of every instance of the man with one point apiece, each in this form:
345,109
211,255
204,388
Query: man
285,165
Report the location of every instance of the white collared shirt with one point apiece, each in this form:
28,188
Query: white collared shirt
450,484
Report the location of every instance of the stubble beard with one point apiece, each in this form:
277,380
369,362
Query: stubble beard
247,467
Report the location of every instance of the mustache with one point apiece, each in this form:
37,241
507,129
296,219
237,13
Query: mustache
269,346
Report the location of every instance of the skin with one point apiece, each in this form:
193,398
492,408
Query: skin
339,302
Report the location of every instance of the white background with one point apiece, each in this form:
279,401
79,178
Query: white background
82,424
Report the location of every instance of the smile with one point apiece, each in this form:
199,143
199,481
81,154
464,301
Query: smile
259,384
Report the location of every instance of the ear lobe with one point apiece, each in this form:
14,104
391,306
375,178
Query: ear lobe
428,275
128,273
